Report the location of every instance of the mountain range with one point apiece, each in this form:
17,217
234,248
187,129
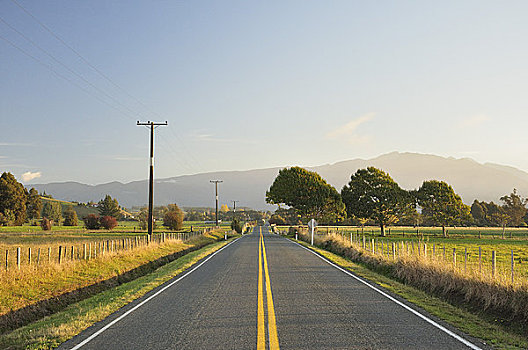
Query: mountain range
470,179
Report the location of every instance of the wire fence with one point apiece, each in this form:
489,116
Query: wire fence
484,262
20,257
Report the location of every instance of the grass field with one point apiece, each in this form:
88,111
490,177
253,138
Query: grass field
472,253
49,332
122,227
33,283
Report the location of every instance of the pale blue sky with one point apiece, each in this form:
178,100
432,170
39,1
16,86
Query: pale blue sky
247,84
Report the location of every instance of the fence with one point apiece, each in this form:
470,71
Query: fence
23,257
485,263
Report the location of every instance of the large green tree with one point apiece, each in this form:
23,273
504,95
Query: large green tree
34,205
373,194
109,207
53,211
478,212
13,199
515,207
441,206
308,193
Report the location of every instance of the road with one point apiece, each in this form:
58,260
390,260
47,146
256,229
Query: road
266,292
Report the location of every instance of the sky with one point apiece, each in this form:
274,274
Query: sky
256,84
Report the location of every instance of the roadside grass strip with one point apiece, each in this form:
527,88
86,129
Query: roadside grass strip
474,325
51,331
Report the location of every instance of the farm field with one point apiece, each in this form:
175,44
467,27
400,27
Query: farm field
463,248
87,259
122,227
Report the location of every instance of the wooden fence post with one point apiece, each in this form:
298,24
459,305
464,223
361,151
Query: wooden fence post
493,263
49,255
85,253
38,257
512,262
480,259
18,258
29,256
60,254
465,259
454,257
7,260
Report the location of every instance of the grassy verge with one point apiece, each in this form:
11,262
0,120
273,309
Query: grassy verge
477,325
51,331
32,293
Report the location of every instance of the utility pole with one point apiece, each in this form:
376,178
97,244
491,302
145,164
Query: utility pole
234,208
216,182
152,126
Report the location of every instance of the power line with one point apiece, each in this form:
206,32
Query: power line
57,37
47,66
112,82
68,68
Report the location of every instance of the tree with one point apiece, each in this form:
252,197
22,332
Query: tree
109,207
515,207
45,224
373,194
143,219
236,225
441,205
53,211
13,199
224,208
308,193
107,222
91,221
70,217
34,205
173,218
479,213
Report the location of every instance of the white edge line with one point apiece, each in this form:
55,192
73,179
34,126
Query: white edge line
425,318
93,336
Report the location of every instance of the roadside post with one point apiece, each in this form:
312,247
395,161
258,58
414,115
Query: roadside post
312,224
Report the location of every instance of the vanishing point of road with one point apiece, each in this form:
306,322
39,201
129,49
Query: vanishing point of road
264,291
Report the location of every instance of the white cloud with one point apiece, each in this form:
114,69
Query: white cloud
473,121
349,128
28,176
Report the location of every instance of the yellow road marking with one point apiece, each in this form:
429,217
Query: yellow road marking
261,331
272,325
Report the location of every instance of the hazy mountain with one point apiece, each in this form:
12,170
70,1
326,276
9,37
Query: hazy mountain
469,178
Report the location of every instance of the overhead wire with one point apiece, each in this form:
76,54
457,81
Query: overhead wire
50,68
68,68
51,32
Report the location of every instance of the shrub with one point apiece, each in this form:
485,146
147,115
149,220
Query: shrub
236,225
108,222
91,221
70,217
173,218
45,224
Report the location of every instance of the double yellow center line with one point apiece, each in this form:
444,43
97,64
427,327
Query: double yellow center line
272,325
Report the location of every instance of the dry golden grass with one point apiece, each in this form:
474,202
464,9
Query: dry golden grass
32,284
495,294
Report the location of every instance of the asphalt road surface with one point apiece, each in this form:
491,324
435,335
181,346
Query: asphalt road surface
265,292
